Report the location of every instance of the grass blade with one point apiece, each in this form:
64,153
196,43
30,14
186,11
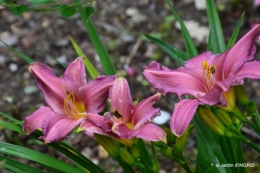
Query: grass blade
235,33
11,126
217,37
96,41
25,57
15,166
177,54
89,66
48,55
36,156
11,118
190,46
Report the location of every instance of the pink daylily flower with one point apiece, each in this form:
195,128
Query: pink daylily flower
69,99
207,77
128,120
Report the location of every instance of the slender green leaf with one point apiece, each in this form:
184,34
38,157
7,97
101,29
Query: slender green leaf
11,126
26,58
207,142
144,154
62,147
89,11
89,66
36,156
17,10
15,166
1,1
96,41
190,46
209,42
217,37
66,11
174,52
155,159
40,2
11,118
236,31
63,65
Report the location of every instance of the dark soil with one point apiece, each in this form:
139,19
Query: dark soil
121,35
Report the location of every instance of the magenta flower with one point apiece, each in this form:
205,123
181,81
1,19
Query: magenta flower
129,120
206,77
69,99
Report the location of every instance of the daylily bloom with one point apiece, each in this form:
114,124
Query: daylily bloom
207,77
69,99
128,120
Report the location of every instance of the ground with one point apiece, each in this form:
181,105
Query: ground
121,25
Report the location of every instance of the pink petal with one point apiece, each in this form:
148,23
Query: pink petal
144,111
95,93
181,81
56,127
120,99
196,62
182,115
100,121
242,51
124,132
35,120
90,128
53,88
152,132
249,70
76,71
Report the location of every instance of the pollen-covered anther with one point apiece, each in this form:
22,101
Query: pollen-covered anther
209,69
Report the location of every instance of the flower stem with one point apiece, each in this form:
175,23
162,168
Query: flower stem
249,143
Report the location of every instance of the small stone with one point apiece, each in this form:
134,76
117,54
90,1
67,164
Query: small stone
163,118
2,59
8,38
102,153
30,89
13,67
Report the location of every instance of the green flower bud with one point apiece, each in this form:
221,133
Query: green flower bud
166,151
135,151
252,108
211,121
224,118
110,145
231,100
236,121
241,96
181,141
126,156
170,137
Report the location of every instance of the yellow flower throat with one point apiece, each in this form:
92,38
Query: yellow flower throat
74,108
209,69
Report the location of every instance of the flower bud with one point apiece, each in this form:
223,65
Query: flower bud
166,151
126,156
181,141
135,151
251,108
231,100
211,121
170,137
241,96
110,145
224,118
236,121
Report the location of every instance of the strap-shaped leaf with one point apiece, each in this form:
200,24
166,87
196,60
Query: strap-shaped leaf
15,166
236,31
190,46
38,157
96,41
177,54
217,37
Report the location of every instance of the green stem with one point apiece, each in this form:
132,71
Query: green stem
240,156
249,143
184,164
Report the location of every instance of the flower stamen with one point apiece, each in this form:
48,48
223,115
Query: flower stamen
73,108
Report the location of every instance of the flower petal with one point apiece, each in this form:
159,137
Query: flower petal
90,128
181,81
53,88
95,93
196,62
56,127
124,132
120,99
182,115
100,121
242,51
76,71
249,70
152,132
144,111
35,120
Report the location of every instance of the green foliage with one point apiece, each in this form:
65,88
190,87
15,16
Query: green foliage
66,11
89,11
18,10
40,2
